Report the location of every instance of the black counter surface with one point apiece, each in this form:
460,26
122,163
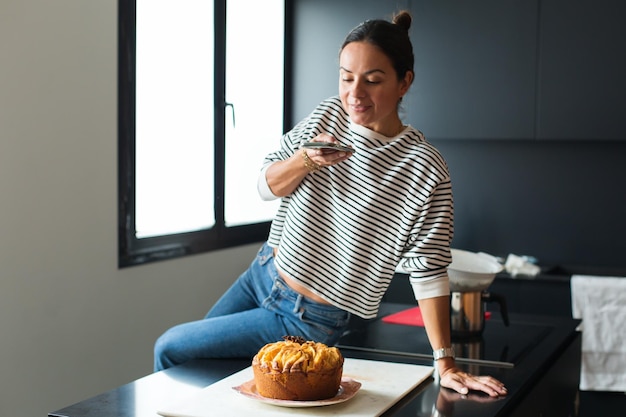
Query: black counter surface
542,377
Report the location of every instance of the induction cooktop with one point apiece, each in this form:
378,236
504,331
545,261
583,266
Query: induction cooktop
499,345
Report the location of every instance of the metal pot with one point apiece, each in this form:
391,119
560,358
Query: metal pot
470,276
467,312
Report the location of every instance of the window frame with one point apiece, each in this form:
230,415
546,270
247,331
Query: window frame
132,250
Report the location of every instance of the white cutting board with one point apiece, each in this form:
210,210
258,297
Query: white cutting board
383,384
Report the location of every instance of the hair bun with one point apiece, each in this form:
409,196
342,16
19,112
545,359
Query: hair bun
403,19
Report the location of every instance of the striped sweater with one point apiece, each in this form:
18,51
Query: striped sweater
346,228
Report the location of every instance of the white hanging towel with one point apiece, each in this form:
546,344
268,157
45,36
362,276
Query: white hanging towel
601,304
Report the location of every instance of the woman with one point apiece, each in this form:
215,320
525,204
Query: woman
346,220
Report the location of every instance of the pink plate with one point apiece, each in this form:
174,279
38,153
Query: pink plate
347,390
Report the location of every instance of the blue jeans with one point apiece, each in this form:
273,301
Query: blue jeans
259,308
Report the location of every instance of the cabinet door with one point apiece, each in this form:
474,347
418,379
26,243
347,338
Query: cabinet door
582,86
475,65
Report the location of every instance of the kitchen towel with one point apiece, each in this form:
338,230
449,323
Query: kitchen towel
601,304
411,317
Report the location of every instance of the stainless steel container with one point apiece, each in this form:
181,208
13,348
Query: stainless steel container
470,275
467,312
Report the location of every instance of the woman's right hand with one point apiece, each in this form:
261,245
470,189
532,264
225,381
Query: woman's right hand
326,157
283,177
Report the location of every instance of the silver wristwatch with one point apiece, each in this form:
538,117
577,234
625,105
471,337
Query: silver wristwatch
443,353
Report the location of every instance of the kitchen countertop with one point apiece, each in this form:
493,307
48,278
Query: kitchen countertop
541,380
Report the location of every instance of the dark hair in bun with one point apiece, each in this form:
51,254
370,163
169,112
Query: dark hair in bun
391,37
404,20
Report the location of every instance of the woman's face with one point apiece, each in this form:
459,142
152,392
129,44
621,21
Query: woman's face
369,87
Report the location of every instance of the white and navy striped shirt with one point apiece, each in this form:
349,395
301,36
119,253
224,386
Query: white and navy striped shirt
346,228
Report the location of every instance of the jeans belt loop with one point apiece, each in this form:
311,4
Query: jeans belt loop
298,303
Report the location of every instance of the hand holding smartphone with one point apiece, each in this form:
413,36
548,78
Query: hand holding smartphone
327,146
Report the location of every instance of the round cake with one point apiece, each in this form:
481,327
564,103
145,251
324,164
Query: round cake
295,369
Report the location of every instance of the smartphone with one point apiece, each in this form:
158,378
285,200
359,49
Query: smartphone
327,146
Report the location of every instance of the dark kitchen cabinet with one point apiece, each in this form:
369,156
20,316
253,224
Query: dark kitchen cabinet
475,62
484,69
582,88
475,65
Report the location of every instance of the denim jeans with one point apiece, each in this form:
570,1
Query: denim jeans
258,308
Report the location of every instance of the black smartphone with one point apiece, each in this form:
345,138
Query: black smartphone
327,146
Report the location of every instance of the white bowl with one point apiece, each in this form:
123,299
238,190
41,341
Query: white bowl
471,271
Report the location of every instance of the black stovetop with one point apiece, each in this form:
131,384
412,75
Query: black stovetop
499,345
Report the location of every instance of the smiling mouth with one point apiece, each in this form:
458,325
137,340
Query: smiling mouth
359,107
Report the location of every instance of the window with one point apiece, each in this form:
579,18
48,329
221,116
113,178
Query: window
201,101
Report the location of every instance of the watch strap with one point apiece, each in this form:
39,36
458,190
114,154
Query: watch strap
447,352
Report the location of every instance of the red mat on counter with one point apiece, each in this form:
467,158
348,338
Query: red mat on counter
411,317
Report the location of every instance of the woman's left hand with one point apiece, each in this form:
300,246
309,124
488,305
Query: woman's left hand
462,382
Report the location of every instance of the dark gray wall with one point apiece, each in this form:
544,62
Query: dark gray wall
536,145
561,201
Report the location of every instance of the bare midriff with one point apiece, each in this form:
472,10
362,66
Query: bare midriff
300,289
